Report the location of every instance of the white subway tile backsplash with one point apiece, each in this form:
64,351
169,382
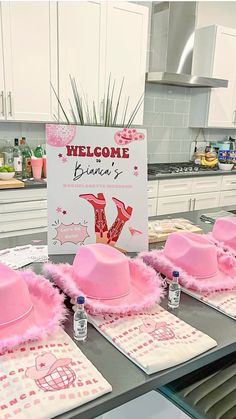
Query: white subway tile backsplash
149,104
173,120
182,106
179,157
159,133
164,105
153,119
159,158
175,92
181,134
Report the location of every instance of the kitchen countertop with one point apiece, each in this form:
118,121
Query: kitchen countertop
29,184
190,174
127,380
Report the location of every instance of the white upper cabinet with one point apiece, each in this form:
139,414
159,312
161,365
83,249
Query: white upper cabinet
127,26
81,38
98,40
28,62
2,86
214,48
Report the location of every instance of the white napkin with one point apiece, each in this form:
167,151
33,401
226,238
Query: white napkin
153,339
62,389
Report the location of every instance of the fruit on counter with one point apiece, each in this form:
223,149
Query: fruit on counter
208,163
6,168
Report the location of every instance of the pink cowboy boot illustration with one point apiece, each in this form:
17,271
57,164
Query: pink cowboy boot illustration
99,204
123,215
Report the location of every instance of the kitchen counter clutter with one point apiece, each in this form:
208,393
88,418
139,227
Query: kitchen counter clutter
126,379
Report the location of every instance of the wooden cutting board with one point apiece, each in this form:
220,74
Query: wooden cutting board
161,237
11,183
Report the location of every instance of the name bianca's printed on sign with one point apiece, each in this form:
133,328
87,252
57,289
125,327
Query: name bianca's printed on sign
97,152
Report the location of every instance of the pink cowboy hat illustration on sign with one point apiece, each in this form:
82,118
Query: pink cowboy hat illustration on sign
60,135
50,373
127,135
158,330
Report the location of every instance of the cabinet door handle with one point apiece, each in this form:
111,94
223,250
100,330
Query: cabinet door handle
2,103
234,117
233,182
190,203
10,104
194,203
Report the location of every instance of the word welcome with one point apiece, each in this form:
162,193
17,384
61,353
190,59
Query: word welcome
87,151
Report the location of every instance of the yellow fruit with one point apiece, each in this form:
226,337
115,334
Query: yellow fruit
211,163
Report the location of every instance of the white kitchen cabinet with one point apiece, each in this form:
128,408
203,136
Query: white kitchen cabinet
152,207
29,58
206,184
227,198
23,211
171,204
170,187
214,47
2,84
98,40
205,200
81,43
229,182
152,189
126,47
188,194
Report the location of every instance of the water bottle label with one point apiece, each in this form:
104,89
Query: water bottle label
18,164
80,328
174,297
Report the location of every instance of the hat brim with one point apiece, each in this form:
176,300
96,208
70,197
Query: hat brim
35,374
46,315
145,288
220,281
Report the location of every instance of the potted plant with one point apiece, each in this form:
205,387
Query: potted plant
226,165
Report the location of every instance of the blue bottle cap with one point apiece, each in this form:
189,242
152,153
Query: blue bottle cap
80,300
175,274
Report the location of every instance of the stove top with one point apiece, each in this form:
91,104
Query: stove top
164,168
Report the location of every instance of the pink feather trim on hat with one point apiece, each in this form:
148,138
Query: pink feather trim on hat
62,275
157,260
42,290
221,245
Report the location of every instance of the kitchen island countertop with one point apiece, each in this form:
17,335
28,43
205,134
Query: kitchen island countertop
127,380
29,184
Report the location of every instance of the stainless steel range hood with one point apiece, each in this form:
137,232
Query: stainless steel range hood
172,41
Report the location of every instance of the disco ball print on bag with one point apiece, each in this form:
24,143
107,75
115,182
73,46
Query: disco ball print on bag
50,373
60,135
159,331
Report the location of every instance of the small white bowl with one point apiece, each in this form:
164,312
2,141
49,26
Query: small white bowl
6,175
226,167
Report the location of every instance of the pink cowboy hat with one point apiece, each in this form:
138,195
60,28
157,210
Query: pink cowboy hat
224,234
110,281
200,265
30,308
45,364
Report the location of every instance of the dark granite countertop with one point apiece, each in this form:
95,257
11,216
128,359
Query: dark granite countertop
127,380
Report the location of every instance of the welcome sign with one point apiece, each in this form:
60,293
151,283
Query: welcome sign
97,188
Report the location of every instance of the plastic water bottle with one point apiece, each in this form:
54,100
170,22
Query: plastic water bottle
80,321
174,291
